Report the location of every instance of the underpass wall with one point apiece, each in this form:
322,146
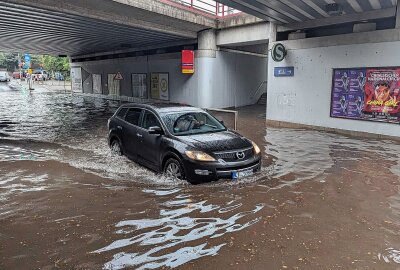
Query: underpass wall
306,97
228,80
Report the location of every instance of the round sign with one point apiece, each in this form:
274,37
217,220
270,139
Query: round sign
164,85
278,52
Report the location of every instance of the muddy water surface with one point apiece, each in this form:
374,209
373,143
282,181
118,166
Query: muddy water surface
322,201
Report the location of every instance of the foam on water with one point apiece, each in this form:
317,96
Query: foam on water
179,234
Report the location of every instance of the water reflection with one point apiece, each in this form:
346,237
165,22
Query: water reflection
300,155
20,181
182,232
187,223
390,255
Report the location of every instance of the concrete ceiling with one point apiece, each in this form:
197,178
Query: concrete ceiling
295,11
75,27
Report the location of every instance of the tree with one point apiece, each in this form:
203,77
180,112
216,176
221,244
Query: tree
50,63
9,61
54,63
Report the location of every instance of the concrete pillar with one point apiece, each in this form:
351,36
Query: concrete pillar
207,43
206,58
272,34
271,40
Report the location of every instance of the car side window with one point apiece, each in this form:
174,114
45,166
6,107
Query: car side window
150,120
122,112
133,116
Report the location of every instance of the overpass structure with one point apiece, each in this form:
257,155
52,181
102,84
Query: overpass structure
341,54
141,42
92,26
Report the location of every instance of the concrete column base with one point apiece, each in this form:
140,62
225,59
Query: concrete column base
283,124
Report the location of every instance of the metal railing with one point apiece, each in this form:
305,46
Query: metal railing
222,114
256,93
205,7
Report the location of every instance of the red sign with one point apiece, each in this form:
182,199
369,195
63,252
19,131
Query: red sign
187,62
382,94
118,76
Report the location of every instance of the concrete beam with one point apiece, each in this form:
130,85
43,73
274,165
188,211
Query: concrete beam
260,11
235,21
148,15
145,48
244,35
170,11
389,35
347,18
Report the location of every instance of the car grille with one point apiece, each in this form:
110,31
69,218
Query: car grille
235,155
236,168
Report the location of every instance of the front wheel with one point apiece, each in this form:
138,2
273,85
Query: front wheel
116,148
174,169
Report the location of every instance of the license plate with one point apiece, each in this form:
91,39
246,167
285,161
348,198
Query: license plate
237,175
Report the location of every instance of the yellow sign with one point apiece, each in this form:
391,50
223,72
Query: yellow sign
30,71
188,71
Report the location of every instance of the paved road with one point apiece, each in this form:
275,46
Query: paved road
322,201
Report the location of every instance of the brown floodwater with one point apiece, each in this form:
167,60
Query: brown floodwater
321,201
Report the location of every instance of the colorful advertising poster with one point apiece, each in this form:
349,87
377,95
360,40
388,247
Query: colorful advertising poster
382,94
341,85
366,94
356,93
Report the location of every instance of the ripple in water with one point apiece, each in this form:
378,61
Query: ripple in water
181,233
390,255
300,155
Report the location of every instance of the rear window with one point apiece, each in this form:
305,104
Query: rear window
3,73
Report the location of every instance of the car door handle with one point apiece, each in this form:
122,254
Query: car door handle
119,127
139,135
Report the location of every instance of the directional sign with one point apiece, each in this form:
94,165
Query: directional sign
118,76
26,61
284,71
278,52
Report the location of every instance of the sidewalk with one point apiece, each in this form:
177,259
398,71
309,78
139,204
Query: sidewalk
48,85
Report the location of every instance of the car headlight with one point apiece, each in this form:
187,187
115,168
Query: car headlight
198,155
256,148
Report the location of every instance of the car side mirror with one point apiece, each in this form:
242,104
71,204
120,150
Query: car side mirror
156,130
222,122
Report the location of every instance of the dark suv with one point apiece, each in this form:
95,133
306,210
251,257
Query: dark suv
181,141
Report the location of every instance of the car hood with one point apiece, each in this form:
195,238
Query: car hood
215,142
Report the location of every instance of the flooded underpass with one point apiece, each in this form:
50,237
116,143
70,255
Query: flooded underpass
322,200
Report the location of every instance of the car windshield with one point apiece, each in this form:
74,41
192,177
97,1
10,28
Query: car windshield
189,123
2,73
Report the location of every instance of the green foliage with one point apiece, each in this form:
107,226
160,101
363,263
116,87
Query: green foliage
54,64
50,63
8,61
